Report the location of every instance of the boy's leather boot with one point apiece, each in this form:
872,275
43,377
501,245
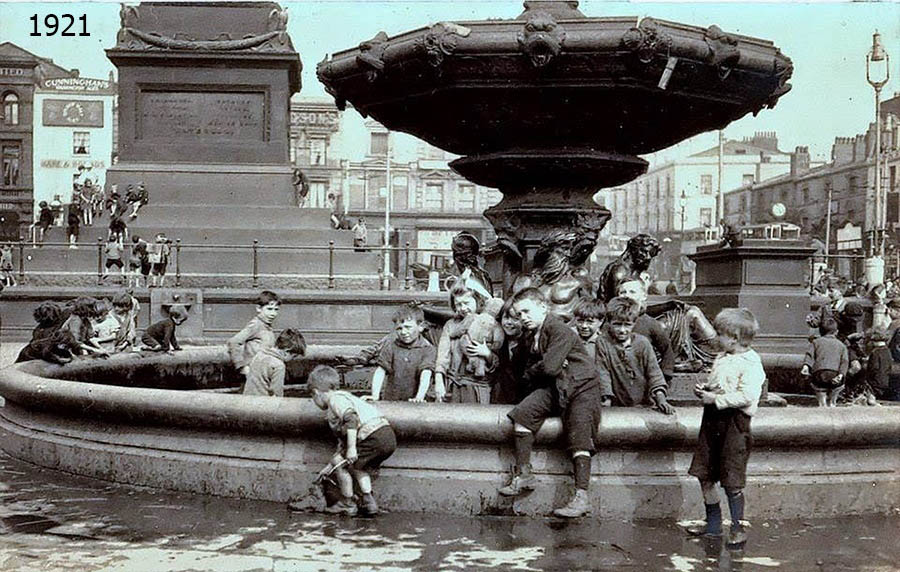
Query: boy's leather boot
713,524
523,480
738,536
344,506
579,506
369,506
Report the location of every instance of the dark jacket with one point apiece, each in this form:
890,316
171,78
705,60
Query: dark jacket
561,359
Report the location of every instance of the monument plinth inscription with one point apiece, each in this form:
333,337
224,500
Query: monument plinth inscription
198,115
204,106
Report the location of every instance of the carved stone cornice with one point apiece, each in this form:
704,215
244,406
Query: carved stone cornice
647,40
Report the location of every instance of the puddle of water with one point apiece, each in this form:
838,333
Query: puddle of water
28,523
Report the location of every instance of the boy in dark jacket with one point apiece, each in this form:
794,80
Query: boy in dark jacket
567,386
827,361
160,336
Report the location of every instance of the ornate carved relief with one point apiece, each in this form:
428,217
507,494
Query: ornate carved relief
542,39
723,51
440,41
371,55
647,40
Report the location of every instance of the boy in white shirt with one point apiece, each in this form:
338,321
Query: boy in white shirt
730,398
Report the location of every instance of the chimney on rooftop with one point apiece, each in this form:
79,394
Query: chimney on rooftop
799,161
766,140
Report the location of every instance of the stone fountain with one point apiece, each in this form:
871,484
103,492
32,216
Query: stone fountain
554,105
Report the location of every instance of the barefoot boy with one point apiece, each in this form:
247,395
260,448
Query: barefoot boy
365,439
568,386
730,398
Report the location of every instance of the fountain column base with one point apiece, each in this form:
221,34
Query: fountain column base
546,194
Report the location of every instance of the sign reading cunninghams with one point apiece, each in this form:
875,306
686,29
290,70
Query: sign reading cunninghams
315,119
72,113
78,84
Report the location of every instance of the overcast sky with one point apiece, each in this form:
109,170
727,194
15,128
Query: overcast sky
828,43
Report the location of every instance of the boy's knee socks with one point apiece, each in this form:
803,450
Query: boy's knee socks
582,465
736,508
524,443
713,518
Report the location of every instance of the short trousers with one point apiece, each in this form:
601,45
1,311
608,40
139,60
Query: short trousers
145,268
159,269
375,449
823,380
110,262
723,447
580,419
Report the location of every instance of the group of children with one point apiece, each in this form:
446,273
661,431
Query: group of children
525,355
528,356
147,262
844,363
94,327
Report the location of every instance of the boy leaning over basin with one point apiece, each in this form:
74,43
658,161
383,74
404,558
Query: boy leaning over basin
626,362
257,334
568,386
730,398
265,374
408,358
365,440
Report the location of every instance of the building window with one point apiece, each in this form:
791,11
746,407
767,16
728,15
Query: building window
706,217
743,204
747,179
465,198
852,184
10,151
317,151
433,197
10,109
81,143
378,145
805,195
706,184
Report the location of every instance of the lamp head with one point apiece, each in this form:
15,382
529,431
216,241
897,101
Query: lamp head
877,54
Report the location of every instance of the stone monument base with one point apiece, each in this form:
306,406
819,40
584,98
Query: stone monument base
770,278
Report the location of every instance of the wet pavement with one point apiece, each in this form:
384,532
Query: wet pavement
51,521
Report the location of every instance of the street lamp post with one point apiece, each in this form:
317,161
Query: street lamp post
877,55
387,214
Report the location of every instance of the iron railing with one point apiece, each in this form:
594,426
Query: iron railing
402,258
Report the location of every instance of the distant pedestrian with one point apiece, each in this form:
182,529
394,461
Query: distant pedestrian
158,254
360,235
6,266
137,198
113,251
74,226
118,230
45,220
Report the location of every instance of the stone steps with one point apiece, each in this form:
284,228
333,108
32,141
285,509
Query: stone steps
165,216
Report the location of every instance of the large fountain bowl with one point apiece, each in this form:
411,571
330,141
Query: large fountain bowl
555,79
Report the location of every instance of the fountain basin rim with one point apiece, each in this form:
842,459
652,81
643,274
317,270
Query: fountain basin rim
27,386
